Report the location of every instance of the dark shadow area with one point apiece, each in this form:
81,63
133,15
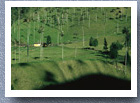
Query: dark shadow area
24,64
17,53
12,87
88,48
72,71
36,57
14,59
105,61
92,82
81,62
121,59
49,77
46,57
70,67
104,54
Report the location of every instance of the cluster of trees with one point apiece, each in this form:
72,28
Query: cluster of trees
116,46
93,42
57,19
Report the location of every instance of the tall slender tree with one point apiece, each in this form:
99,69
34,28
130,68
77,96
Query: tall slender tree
89,21
105,45
28,34
83,36
15,41
127,44
96,17
117,27
58,30
34,25
19,9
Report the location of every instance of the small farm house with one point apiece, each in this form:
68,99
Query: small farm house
37,44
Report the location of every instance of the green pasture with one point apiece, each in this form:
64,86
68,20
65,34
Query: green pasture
45,66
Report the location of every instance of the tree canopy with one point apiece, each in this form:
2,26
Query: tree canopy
115,46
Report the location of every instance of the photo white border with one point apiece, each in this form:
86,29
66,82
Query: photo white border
71,93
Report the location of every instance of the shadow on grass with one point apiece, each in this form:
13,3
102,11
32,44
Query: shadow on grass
70,68
81,62
92,82
14,59
49,77
120,58
104,54
36,57
88,48
24,64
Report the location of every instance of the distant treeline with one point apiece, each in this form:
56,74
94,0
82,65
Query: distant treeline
16,10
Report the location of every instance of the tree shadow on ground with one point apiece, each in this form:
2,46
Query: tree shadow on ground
36,57
24,64
88,48
49,77
14,59
106,55
81,62
92,82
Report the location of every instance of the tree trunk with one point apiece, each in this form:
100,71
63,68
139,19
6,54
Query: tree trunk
83,19
106,17
96,17
116,63
40,50
67,21
89,21
19,30
75,51
28,39
15,43
121,13
117,27
28,47
34,27
126,59
87,12
104,29
58,30
41,45
74,10
97,34
83,37
62,52
38,19
126,16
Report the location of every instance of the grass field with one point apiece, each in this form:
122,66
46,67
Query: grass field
67,60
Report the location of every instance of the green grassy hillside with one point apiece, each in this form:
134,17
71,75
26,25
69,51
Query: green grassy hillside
103,21
69,56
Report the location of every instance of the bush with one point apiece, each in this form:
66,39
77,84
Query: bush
93,42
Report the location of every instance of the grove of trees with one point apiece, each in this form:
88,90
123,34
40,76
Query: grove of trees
93,42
